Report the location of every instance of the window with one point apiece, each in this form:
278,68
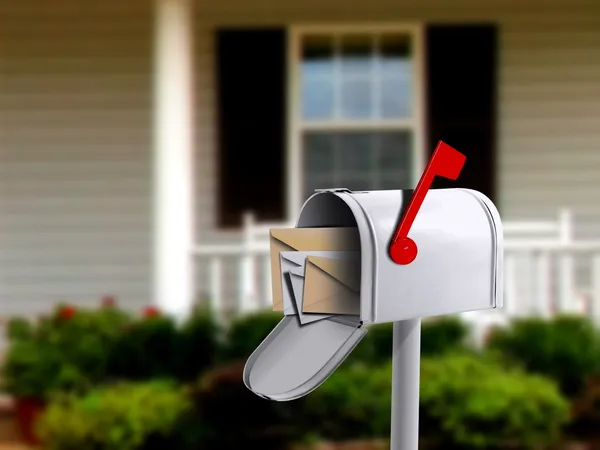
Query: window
345,106
357,108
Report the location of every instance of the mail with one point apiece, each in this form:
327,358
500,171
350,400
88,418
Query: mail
340,266
307,240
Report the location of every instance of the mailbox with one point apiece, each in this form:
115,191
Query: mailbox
458,269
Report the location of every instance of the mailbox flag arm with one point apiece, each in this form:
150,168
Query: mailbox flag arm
445,162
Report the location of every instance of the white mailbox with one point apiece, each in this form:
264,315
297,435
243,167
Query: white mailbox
458,268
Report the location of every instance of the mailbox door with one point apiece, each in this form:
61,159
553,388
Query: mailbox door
295,359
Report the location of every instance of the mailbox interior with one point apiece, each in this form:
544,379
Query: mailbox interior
339,209
295,359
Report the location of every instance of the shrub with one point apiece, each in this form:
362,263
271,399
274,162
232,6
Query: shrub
586,411
438,336
566,348
246,332
198,346
69,350
124,416
471,402
146,349
237,418
353,403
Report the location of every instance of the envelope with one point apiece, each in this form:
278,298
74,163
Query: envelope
306,239
331,287
294,259
297,281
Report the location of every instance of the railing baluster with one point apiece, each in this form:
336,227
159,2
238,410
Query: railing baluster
511,299
266,273
215,283
542,288
567,301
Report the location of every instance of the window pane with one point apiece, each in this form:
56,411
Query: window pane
394,156
358,160
357,99
319,157
395,71
355,151
395,55
317,56
317,99
356,182
396,97
357,55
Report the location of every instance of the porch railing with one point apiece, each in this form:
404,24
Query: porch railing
546,270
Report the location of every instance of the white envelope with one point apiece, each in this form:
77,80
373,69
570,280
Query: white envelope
294,259
297,279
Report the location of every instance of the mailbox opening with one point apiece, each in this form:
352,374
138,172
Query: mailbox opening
294,359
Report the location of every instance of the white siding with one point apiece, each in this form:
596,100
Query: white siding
75,113
549,92
74,152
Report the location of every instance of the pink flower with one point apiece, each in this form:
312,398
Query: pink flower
109,301
150,311
67,312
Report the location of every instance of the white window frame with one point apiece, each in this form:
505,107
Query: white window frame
296,125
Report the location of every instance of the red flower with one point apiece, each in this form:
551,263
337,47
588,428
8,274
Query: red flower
67,312
151,311
109,301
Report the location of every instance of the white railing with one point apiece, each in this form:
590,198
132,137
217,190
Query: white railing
540,269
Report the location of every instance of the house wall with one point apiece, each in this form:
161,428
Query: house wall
75,127
549,91
548,94
75,163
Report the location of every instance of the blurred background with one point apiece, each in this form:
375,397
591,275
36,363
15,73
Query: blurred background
147,147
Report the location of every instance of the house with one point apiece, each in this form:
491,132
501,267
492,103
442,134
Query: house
132,130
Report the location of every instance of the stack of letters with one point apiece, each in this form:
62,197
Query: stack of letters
315,272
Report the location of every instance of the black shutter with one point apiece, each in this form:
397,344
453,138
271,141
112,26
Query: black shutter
461,99
251,82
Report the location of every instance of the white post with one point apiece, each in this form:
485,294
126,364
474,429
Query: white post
567,301
247,286
406,362
173,147
511,301
542,290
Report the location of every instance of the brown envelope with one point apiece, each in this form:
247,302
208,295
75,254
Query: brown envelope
306,239
331,286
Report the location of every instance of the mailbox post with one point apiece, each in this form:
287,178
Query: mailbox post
406,358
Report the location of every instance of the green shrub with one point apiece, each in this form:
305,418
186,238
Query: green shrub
69,350
566,348
353,403
438,336
147,349
198,346
472,402
124,416
234,417
246,332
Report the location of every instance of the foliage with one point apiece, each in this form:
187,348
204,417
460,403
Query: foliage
438,336
472,402
586,410
66,351
199,345
124,416
566,348
146,349
235,418
353,403
246,332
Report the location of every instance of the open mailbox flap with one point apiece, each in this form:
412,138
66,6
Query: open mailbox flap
295,359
